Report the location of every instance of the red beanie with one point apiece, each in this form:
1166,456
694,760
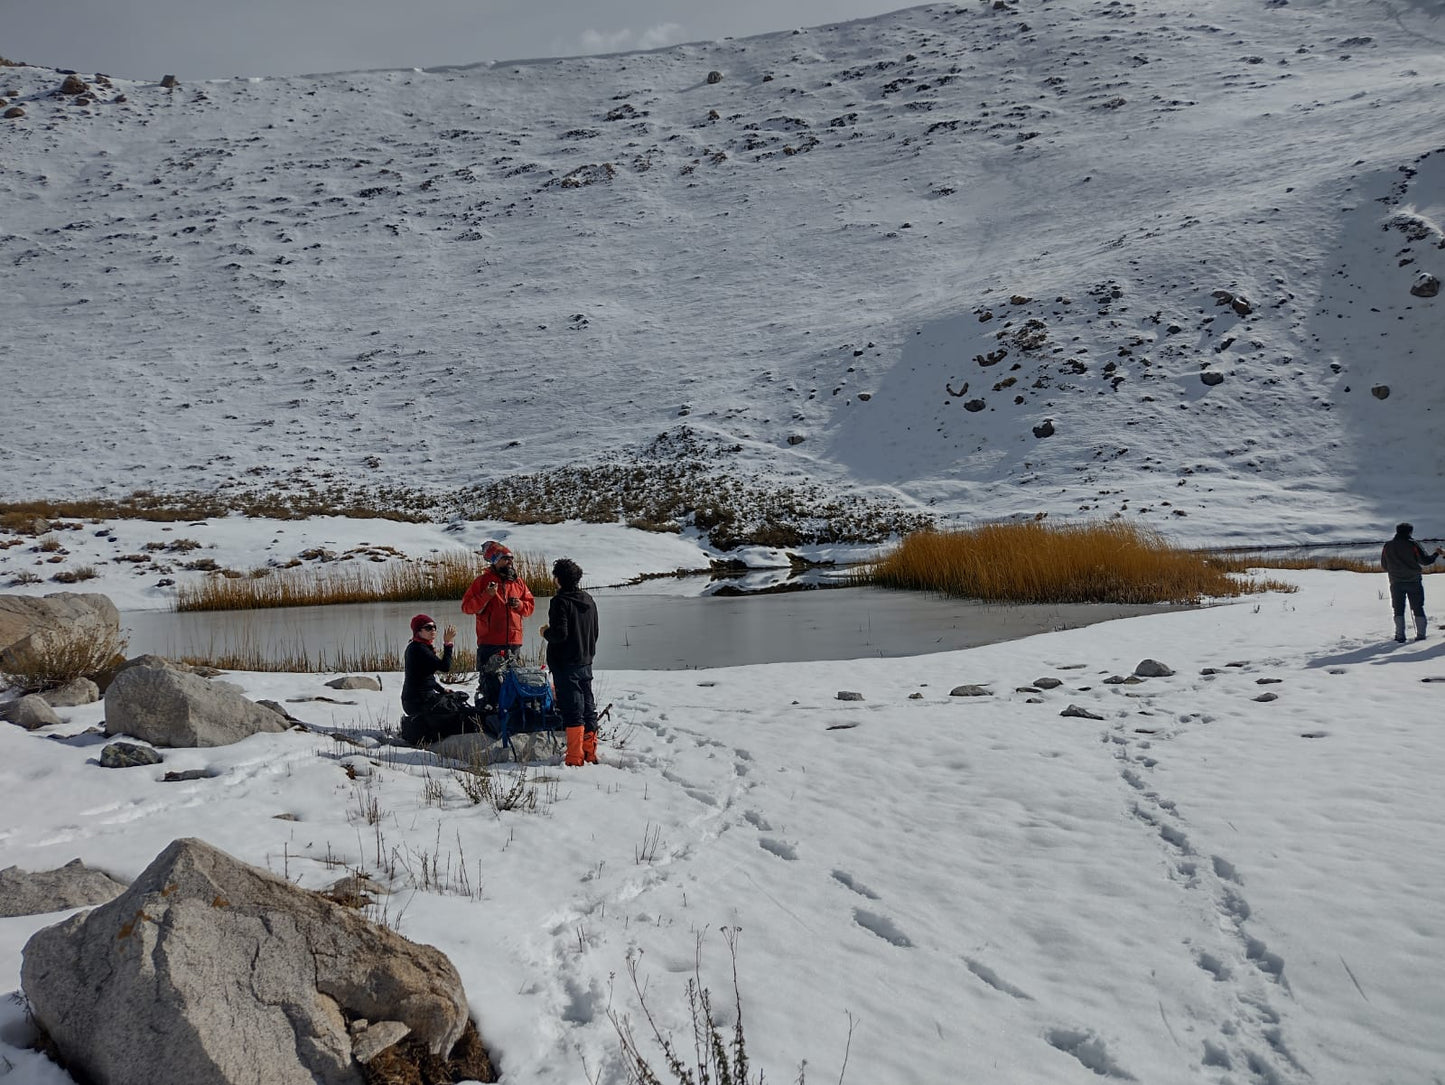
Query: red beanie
419,621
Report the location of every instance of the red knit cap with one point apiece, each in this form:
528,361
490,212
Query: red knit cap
419,621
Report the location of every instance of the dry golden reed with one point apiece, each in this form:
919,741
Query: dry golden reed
446,577
46,662
1034,562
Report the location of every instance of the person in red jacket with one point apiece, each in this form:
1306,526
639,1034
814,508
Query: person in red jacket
500,600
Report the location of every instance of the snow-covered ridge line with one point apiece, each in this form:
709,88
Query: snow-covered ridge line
966,262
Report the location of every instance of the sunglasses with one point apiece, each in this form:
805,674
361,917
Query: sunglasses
430,625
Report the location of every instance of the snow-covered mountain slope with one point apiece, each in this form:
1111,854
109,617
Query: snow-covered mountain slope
971,260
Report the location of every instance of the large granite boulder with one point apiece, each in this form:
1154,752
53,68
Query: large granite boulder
207,971
29,623
30,712
74,885
168,707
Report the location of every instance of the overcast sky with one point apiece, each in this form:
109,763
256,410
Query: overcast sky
194,39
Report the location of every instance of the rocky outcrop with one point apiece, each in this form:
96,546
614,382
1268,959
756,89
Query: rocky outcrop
30,624
74,885
207,970
167,707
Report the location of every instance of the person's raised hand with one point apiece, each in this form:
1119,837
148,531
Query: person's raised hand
449,634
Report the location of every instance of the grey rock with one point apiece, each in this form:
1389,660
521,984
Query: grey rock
915,696
849,695
74,885
30,623
1265,697
279,709
1044,429
1380,391
355,681
77,691
476,749
1048,683
1211,378
127,755
187,774
714,77
166,707
1425,285
247,977
970,691
1152,668
376,1038
1033,700
1081,713
30,712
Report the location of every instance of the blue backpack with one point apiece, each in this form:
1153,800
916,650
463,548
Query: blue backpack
525,702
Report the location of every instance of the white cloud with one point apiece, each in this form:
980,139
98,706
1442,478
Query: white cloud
617,41
655,37
599,41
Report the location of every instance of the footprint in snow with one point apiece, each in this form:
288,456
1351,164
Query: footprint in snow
757,821
1091,1051
990,977
883,927
781,848
843,878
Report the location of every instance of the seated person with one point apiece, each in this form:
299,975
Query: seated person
430,711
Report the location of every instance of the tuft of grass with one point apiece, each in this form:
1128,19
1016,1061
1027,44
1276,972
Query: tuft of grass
1239,563
719,1054
1034,562
299,659
49,661
443,578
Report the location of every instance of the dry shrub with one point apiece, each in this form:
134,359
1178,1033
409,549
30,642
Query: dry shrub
54,659
410,1063
1034,562
1239,563
247,654
447,577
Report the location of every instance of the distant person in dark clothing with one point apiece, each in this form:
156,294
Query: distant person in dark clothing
430,712
1403,558
571,636
500,600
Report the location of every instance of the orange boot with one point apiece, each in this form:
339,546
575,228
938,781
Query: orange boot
574,745
589,747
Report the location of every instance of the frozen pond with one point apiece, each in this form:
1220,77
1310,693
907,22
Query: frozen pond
646,631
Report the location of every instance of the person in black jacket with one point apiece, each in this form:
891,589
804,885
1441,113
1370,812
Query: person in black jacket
1402,558
430,712
571,636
